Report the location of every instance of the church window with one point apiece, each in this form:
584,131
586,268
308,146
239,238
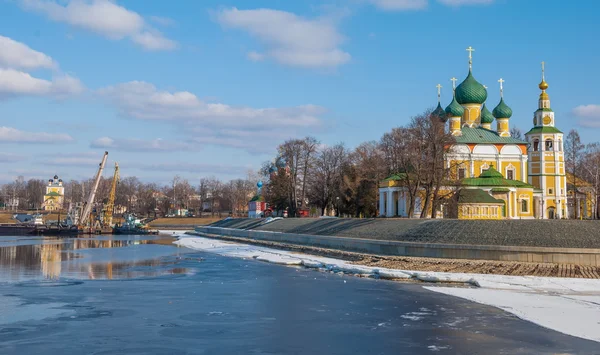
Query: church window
536,145
461,173
549,146
524,206
510,174
550,192
484,167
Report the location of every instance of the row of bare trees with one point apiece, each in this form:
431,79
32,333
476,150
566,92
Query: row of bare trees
211,195
344,181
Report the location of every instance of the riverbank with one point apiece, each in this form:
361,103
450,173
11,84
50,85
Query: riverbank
489,267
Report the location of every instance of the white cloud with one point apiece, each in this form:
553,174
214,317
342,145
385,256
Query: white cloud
407,5
15,83
143,145
13,135
15,54
399,5
589,114
10,157
289,39
255,56
210,122
465,2
104,17
185,167
163,21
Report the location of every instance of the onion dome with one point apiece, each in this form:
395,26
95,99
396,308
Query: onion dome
543,85
440,113
455,109
272,169
55,177
470,91
502,110
486,115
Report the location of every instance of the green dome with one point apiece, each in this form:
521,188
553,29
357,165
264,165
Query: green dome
470,91
502,110
439,112
454,109
486,115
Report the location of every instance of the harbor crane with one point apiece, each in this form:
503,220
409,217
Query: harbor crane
107,219
87,209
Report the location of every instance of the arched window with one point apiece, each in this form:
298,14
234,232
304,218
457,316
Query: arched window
536,145
524,205
549,145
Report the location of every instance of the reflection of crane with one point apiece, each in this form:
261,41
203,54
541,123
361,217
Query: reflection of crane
85,216
110,204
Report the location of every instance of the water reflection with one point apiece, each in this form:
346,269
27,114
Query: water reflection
88,258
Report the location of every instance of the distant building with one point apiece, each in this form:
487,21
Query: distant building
55,194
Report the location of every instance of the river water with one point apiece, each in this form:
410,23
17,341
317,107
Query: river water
144,295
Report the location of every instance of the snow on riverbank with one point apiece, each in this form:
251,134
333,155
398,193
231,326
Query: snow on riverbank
570,306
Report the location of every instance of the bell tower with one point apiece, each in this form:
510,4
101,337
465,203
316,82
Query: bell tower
546,159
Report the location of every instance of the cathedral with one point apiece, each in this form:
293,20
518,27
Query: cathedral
497,176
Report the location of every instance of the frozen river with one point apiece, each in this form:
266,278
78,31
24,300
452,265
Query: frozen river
144,295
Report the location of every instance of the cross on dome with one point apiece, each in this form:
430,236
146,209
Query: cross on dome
453,80
470,50
439,87
501,81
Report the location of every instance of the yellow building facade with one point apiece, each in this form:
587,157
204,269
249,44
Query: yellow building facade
524,179
54,196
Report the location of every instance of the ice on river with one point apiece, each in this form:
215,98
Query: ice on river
570,306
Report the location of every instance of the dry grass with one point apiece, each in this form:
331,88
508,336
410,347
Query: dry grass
196,221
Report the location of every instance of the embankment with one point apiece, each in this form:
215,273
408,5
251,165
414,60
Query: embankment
533,241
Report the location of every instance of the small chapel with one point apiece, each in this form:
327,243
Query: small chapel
497,176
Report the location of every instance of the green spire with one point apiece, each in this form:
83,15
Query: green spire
502,110
486,115
470,91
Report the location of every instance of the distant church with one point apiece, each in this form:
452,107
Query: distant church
499,176
55,194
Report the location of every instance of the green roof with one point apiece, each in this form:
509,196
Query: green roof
53,193
500,189
486,115
544,110
491,177
395,177
502,110
476,196
470,91
257,198
454,109
482,135
544,130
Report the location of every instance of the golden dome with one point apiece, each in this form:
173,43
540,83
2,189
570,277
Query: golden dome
544,95
543,85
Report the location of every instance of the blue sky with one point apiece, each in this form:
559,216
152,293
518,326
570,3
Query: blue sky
201,88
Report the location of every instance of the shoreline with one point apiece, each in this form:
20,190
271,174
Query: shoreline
484,267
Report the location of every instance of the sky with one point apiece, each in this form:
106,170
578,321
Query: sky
211,87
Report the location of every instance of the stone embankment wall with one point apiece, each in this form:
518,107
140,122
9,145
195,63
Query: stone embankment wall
555,241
